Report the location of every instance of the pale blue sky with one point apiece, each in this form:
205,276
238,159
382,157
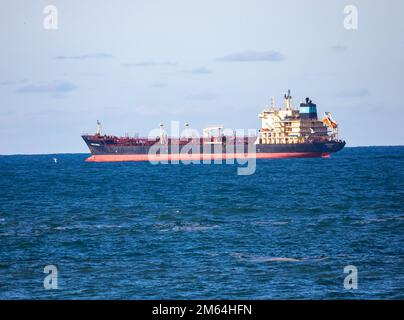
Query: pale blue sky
134,64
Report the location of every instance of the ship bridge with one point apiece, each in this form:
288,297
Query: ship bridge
291,125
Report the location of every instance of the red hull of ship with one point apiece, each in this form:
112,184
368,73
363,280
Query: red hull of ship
200,157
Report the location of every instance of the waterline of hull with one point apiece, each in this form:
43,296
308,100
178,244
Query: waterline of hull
201,156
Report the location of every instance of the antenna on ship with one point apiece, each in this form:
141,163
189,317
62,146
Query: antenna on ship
98,128
288,99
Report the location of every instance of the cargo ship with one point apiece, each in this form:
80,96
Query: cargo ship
286,132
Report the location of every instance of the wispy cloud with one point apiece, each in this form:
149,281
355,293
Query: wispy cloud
338,48
55,86
7,83
158,85
153,111
354,93
319,74
150,64
91,74
200,70
86,56
252,56
145,110
12,82
201,96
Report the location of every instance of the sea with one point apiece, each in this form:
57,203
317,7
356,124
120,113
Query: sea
295,229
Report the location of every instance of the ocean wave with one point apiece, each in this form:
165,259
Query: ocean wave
376,220
280,223
274,223
187,227
270,259
264,259
254,258
88,226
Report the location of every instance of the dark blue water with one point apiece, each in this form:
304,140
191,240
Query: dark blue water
139,231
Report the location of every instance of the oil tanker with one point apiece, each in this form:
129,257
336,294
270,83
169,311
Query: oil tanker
286,132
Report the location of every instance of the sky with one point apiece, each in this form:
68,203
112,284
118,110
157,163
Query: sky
138,63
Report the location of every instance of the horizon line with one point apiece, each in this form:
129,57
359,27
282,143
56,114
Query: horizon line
72,153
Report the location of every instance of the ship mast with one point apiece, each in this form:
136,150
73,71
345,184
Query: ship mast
98,128
187,135
288,99
162,135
